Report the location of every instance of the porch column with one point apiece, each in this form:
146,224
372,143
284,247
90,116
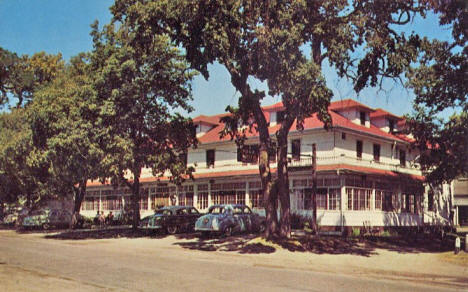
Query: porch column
247,195
195,196
209,194
149,198
344,201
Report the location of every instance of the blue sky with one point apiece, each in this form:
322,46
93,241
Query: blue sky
63,26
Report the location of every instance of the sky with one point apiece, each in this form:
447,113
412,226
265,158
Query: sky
63,26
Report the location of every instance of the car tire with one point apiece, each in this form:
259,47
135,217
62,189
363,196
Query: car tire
46,226
172,229
205,234
227,231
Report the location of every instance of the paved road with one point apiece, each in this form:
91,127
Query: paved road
32,263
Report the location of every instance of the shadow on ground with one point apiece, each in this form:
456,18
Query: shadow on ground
253,244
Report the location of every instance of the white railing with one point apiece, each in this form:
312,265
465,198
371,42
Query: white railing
410,168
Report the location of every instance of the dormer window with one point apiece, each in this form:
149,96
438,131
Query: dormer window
362,117
391,126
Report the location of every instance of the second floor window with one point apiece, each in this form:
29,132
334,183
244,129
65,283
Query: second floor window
377,152
359,149
210,158
402,158
296,149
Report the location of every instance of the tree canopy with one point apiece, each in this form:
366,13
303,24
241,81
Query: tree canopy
140,89
20,76
285,44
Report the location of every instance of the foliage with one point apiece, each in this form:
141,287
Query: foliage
21,76
140,85
63,117
270,41
22,177
440,83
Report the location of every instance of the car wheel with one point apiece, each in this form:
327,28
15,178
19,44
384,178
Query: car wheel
205,234
171,229
46,226
262,228
228,231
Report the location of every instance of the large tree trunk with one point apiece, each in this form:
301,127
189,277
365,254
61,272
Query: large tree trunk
283,185
269,194
79,193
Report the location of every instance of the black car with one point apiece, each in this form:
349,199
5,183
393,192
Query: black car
172,219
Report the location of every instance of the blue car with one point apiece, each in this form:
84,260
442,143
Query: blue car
227,219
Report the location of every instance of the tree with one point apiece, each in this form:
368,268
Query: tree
22,178
440,83
139,89
270,41
63,118
21,76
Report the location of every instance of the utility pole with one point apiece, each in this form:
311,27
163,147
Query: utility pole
314,188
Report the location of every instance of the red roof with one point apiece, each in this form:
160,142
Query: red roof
211,120
382,113
348,104
309,123
274,107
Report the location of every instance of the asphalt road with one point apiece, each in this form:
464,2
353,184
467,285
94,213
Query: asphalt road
29,262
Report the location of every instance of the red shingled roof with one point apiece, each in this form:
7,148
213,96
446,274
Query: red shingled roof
348,104
382,113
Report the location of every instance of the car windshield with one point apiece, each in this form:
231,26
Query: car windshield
163,212
217,210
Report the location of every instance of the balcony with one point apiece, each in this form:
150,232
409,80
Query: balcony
410,168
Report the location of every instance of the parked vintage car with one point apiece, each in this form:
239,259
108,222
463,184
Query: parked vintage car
47,218
171,219
226,219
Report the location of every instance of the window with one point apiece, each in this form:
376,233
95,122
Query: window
143,202
359,149
321,199
296,149
202,200
359,199
343,136
376,152
391,126
210,158
378,200
248,153
387,204
256,197
334,199
362,117
402,158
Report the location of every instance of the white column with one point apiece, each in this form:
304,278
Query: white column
344,201
247,195
149,198
195,196
209,194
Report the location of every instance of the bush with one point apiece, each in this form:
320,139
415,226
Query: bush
356,232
